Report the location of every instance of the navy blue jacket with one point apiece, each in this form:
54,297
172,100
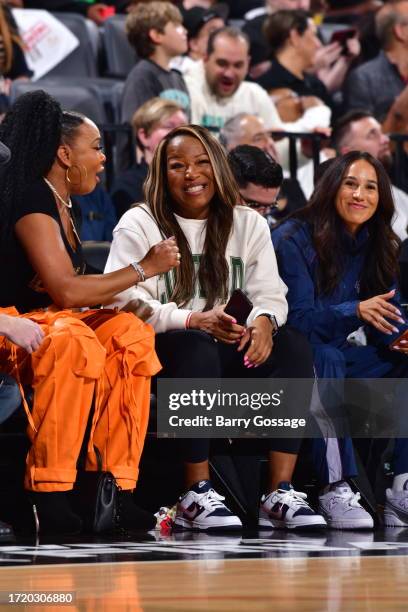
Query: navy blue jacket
327,319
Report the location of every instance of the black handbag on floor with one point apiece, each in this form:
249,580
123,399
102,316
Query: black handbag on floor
95,499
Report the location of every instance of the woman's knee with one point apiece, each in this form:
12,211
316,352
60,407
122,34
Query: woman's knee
69,345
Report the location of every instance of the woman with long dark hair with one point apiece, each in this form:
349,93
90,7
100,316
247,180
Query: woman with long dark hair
339,259
87,356
190,193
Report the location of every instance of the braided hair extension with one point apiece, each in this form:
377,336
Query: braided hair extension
33,130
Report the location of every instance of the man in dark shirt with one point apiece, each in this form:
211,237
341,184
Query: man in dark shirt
293,40
376,85
157,34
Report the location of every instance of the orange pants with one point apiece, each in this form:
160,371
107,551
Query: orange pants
97,354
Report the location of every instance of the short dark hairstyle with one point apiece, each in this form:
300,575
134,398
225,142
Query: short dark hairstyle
252,165
229,31
278,26
342,125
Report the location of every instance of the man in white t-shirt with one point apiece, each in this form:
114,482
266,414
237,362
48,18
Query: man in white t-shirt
218,89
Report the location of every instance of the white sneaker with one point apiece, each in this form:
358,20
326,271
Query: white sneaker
342,510
287,508
203,508
396,508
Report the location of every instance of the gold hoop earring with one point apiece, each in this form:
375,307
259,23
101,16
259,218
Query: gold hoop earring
69,179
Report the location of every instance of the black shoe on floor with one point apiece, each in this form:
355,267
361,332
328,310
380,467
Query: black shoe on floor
54,513
131,516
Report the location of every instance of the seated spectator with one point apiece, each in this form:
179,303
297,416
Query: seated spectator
360,131
359,14
339,258
259,179
379,85
293,40
86,355
330,65
192,195
245,129
155,30
218,90
151,122
254,29
199,23
97,215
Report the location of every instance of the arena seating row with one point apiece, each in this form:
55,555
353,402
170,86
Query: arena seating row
101,52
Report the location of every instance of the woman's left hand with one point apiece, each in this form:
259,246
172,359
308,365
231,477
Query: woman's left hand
259,336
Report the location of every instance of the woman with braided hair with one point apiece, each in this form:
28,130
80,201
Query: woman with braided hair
99,356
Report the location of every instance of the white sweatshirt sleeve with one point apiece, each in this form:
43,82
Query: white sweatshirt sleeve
131,243
263,284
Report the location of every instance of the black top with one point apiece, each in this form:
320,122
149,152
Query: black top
259,47
278,76
21,287
148,80
128,188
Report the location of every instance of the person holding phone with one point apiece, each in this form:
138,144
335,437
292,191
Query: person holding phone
190,193
339,259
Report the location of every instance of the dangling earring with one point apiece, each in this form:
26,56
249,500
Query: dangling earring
70,180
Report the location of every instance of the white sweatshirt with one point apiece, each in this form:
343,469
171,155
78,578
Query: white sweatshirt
250,256
212,112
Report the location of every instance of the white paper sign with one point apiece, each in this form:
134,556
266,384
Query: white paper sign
47,40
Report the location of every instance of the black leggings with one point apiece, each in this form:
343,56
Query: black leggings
195,354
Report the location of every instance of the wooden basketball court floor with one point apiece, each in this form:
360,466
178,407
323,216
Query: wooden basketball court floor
324,571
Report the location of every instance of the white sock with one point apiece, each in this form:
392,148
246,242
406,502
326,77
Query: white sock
399,482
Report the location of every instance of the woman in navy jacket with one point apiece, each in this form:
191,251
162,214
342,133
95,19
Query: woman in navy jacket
339,259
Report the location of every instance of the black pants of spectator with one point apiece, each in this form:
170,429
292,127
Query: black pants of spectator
10,397
195,354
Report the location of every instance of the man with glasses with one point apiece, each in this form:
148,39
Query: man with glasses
259,179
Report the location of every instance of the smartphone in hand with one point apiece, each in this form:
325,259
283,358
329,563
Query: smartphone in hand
239,306
342,36
397,342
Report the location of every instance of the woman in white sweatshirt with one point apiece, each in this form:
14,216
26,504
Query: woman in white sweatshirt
191,194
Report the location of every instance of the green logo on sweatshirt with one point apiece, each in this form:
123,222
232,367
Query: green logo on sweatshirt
236,279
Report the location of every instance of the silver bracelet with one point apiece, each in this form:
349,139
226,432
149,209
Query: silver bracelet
139,270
